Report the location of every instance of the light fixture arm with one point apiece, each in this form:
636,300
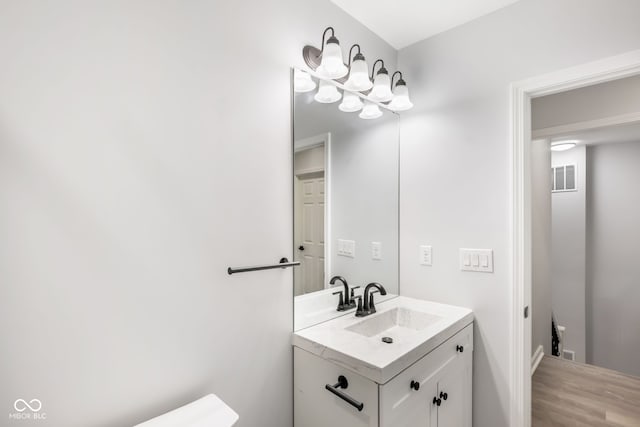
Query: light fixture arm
393,76
350,50
373,69
324,34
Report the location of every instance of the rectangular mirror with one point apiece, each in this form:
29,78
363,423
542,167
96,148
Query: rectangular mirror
345,180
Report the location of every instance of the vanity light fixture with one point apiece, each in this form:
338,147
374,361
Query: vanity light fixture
381,91
400,101
327,93
358,72
563,145
370,111
331,63
350,103
302,82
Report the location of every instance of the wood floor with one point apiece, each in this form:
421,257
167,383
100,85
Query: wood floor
571,394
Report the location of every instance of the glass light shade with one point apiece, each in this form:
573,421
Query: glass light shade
359,76
563,145
370,111
381,91
400,101
327,93
331,65
302,82
350,103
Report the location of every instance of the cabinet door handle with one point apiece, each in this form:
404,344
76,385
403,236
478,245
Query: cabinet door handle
343,383
437,401
415,385
459,348
444,396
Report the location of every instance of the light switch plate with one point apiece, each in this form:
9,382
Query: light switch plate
425,255
347,248
376,251
480,260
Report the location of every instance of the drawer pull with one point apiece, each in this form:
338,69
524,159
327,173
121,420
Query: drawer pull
343,383
437,401
459,348
415,385
444,396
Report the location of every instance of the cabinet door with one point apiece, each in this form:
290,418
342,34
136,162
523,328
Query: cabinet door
454,388
314,406
404,406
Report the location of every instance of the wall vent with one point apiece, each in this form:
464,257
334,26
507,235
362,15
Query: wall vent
563,178
569,355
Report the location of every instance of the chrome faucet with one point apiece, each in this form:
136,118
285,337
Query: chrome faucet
347,299
369,307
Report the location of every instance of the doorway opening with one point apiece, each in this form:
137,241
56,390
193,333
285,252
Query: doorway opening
522,93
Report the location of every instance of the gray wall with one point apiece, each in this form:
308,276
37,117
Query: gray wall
541,246
145,146
613,270
455,157
568,253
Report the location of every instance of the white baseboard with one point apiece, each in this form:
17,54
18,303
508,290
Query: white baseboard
536,359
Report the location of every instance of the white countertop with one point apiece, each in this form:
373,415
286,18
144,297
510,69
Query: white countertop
372,358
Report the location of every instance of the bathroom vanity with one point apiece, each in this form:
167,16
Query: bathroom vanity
346,375
346,238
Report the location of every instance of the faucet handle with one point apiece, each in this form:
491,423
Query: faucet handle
351,302
341,306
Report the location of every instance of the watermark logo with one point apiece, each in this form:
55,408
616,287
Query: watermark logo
30,410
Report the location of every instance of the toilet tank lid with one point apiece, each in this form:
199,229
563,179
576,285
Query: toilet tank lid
208,411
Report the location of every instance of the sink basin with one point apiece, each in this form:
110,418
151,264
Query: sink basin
397,322
355,343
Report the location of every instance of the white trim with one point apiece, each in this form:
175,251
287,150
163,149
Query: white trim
536,359
621,119
601,71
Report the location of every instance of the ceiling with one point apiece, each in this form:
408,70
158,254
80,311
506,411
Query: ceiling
604,135
404,22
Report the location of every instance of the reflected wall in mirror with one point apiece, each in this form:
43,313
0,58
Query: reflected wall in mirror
345,179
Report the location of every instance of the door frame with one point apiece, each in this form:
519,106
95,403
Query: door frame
521,93
306,144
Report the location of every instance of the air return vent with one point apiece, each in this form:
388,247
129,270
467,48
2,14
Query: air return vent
563,178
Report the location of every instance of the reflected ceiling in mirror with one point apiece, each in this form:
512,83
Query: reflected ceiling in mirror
345,177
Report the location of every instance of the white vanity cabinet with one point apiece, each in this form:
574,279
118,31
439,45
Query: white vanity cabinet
434,391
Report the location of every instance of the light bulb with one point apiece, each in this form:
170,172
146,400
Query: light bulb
350,103
400,101
327,93
359,75
381,91
370,111
331,65
302,82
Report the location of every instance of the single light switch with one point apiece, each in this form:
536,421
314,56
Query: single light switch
466,260
484,261
476,260
425,255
